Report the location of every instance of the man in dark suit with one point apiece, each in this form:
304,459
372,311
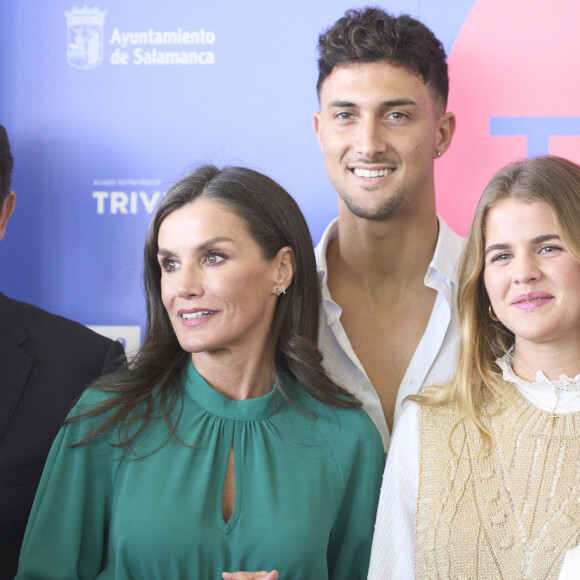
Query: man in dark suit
45,361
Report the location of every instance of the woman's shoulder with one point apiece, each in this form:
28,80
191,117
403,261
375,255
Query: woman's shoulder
436,399
93,396
353,421
93,399
89,411
438,415
342,427
432,391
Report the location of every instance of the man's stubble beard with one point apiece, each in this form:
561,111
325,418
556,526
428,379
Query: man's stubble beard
384,210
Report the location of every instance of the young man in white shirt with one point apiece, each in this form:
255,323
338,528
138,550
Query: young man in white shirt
387,264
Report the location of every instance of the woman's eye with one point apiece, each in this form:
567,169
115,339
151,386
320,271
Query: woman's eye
501,257
214,259
169,265
549,249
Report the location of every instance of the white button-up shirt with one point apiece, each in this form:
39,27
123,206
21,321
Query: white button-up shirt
434,358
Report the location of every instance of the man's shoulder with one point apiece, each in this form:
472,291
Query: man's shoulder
42,325
329,233
448,251
448,236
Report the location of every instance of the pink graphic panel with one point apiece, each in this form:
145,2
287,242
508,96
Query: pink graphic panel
514,70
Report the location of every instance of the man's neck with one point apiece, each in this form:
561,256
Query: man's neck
376,273
391,253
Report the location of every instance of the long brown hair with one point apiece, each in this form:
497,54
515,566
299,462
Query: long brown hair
552,180
152,382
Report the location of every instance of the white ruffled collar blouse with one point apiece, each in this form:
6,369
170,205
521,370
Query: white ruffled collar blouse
559,396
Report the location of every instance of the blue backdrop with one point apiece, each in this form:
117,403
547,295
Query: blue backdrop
103,115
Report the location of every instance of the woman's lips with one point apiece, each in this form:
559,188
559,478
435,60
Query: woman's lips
531,300
195,316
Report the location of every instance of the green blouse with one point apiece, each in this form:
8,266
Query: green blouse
306,493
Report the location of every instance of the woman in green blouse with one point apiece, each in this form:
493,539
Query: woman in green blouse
223,446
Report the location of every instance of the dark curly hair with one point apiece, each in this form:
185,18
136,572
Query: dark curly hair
372,35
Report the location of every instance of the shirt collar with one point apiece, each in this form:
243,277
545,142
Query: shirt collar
445,258
320,253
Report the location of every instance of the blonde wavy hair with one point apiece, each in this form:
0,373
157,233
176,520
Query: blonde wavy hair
552,180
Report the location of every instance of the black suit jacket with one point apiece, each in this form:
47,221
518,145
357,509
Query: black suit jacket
45,361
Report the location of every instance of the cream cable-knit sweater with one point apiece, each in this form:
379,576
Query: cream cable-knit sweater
511,513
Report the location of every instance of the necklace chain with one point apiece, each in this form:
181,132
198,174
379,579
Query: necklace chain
553,416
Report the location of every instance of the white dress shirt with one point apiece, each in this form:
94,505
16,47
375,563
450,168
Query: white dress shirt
571,567
393,551
434,358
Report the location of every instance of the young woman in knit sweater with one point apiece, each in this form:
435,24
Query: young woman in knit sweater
483,475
